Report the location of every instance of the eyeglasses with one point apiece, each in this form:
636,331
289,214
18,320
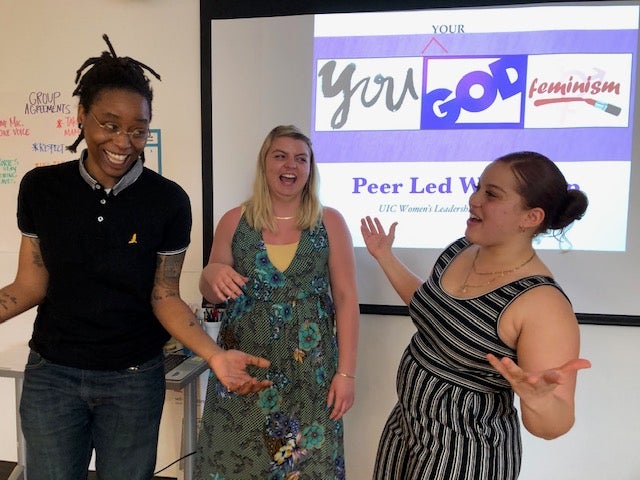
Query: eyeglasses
139,135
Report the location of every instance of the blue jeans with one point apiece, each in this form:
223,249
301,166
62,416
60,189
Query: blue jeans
67,412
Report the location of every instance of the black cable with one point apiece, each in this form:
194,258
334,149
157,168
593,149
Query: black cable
173,463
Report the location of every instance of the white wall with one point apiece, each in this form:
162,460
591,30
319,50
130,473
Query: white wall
165,34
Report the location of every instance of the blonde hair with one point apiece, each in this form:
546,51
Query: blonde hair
258,208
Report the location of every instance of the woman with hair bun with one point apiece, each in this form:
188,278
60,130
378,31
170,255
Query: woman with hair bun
491,321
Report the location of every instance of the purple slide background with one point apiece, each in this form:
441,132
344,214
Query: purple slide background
483,144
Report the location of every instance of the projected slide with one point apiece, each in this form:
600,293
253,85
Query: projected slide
409,107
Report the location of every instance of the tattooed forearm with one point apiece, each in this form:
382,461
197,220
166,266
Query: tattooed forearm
169,267
167,278
173,266
193,323
8,303
167,286
7,300
160,293
35,251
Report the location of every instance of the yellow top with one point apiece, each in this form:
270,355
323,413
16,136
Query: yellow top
281,255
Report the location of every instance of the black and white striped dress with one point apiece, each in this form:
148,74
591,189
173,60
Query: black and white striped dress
455,418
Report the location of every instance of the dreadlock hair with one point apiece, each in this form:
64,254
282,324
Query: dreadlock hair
108,71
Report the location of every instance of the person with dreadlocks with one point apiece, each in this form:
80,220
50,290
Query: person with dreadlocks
103,242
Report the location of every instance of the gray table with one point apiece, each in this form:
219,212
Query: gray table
189,385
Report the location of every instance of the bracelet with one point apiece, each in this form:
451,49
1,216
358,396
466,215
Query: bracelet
342,374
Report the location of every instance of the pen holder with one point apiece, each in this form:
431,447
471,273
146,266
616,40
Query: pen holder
212,329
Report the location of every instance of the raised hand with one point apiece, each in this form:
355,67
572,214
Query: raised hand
375,238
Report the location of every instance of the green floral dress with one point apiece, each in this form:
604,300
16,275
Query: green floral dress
284,432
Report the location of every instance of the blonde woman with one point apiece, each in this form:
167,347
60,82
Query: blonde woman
285,265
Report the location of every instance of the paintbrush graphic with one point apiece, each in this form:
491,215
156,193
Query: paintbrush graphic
606,107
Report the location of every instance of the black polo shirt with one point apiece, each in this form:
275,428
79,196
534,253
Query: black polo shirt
100,250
